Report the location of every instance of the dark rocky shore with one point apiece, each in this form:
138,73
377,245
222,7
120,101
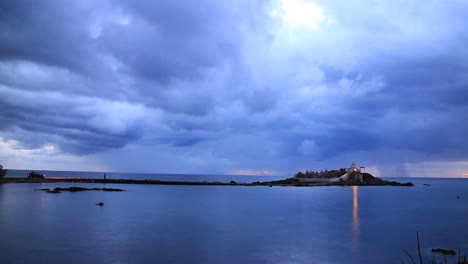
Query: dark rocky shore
79,189
368,180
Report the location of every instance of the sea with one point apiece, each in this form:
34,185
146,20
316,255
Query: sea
231,224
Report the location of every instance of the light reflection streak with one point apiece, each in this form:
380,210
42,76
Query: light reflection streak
355,212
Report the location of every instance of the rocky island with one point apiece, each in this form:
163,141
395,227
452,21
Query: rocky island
354,179
352,176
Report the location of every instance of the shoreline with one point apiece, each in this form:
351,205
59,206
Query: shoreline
286,182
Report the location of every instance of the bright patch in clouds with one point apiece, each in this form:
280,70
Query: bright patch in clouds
300,13
12,147
251,172
16,157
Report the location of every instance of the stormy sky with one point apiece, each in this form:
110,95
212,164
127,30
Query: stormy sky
235,87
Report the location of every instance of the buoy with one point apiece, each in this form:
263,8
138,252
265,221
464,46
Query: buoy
100,204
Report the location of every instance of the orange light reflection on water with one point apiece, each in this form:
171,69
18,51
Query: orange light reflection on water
355,212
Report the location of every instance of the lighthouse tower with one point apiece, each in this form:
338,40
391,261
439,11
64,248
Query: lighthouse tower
353,168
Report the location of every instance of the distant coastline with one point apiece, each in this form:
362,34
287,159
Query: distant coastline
352,176
286,182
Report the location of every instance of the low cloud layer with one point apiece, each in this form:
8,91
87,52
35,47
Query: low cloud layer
220,86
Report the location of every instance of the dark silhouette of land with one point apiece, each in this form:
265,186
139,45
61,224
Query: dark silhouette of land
368,180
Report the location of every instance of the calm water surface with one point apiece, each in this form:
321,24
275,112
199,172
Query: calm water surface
222,224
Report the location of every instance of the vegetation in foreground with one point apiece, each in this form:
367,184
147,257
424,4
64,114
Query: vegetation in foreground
443,252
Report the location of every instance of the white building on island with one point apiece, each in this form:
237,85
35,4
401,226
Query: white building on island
353,168
349,171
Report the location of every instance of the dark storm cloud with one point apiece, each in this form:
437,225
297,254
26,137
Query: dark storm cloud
80,125
166,41
231,82
49,33
173,39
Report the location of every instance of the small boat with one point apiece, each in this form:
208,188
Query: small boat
36,175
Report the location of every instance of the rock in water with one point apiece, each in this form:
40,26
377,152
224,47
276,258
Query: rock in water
100,204
444,251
